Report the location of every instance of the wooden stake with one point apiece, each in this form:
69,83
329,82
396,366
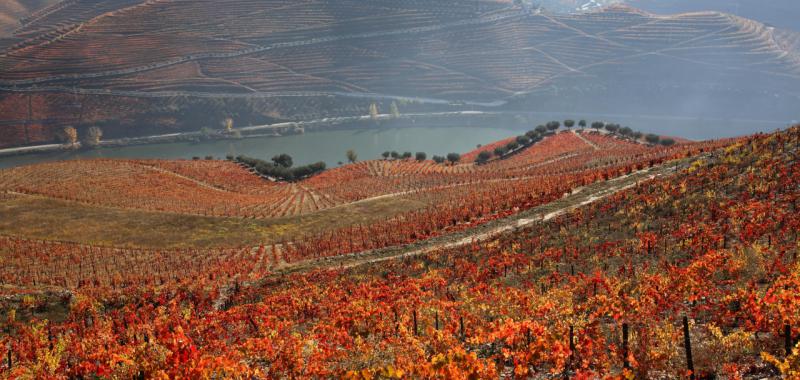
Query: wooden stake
687,343
571,342
625,362
415,321
787,333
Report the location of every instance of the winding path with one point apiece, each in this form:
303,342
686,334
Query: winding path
578,198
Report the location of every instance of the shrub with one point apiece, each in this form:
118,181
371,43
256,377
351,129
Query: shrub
281,172
484,156
453,157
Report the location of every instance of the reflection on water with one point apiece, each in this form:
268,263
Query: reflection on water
328,146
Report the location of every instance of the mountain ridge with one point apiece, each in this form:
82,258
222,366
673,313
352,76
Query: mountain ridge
352,55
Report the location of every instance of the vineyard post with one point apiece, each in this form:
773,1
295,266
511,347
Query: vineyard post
461,324
436,321
415,321
571,342
787,332
10,363
687,343
625,363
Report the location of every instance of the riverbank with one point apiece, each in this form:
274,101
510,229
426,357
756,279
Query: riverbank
694,128
267,130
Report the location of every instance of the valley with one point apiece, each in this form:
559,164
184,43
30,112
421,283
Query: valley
399,189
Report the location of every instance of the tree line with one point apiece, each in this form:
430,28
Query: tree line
281,167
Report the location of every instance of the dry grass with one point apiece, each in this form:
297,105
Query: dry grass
36,217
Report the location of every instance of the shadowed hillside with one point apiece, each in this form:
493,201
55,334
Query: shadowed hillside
13,13
123,67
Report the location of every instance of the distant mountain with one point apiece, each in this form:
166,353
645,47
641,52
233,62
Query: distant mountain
120,64
778,13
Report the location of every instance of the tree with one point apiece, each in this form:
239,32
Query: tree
569,123
553,125
394,110
667,142
352,156
227,124
512,145
638,135
438,159
532,134
373,111
93,136
582,123
523,140
626,131
406,155
651,138
421,156
283,160
453,157
613,128
70,135
386,155
483,156
541,129
500,151
598,125
395,155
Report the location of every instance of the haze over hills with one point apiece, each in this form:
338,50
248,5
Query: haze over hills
425,227
120,65
778,13
13,12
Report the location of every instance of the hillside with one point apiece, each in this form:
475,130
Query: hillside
15,13
109,201
778,13
116,65
601,259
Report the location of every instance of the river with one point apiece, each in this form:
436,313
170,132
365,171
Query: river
328,146
430,135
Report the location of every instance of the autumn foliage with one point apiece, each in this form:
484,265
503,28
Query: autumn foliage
715,241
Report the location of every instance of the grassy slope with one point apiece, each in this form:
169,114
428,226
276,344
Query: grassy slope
50,219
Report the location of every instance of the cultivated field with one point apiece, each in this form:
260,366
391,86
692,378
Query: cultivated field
558,272
224,202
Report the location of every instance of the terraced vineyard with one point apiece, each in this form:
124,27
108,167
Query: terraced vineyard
113,60
536,268
223,188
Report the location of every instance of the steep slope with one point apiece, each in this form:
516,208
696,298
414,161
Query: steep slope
778,13
268,60
13,13
701,259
